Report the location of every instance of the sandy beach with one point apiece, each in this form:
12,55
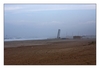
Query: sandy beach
50,52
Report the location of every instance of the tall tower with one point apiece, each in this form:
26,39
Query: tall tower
58,35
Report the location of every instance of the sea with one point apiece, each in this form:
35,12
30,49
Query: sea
68,37
21,39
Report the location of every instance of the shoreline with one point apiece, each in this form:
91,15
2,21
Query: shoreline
39,42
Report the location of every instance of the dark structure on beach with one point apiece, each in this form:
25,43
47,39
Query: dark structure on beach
58,35
77,37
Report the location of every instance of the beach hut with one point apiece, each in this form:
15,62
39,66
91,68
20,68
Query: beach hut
77,37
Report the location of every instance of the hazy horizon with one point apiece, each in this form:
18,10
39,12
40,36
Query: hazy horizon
44,20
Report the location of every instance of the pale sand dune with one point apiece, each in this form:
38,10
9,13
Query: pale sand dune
49,52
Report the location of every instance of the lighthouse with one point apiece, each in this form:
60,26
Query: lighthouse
58,34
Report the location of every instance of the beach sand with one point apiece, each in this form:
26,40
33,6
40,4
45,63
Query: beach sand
50,52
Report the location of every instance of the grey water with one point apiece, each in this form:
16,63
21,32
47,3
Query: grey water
21,39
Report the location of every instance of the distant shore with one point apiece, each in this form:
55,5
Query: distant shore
50,52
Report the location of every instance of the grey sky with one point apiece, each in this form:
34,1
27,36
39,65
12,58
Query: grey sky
43,20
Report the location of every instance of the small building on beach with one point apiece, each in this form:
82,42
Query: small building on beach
77,37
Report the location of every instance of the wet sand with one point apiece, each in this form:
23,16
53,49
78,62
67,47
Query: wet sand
50,52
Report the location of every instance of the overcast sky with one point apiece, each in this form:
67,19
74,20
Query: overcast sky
44,20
